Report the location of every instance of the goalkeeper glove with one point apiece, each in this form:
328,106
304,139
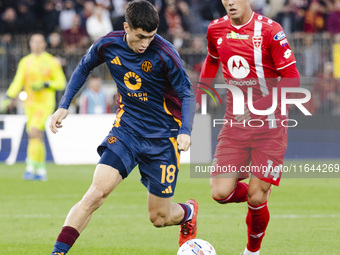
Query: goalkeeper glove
5,103
37,86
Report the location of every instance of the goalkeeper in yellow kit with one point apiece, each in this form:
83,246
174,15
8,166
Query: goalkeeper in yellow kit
39,74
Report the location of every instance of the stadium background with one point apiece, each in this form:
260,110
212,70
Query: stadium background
305,215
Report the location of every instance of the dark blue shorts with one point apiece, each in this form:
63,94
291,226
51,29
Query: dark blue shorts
158,158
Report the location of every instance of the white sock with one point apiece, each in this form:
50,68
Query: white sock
41,171
29,169
192,212
246,252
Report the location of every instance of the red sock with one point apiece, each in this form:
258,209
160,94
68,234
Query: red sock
257,221
68,235
238,195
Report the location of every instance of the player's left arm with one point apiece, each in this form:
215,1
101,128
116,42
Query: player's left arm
15,87
183,88
285,63
18,81
58,79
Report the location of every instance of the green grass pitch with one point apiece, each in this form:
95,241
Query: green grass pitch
305,216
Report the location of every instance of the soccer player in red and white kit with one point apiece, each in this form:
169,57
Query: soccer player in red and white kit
255,56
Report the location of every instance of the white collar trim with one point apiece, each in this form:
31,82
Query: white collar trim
238,27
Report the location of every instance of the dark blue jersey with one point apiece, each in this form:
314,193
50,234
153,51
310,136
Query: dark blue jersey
156,98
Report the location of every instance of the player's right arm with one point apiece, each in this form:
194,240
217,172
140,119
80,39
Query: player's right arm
90,60
18,81
15,87
209,69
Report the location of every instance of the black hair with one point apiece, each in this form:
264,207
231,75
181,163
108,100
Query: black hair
142,14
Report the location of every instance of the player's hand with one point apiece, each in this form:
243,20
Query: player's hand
244,117
37,86
5,104
183,141
57,118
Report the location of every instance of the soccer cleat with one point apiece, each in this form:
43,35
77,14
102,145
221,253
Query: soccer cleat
39,177
28,176
58,253
189,229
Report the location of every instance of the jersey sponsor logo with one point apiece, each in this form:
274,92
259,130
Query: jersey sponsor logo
234,35
116,61
142,96
132,81
279,36
219,41
112,139
284,42
238,67
257,41
287,53
242,82
147,66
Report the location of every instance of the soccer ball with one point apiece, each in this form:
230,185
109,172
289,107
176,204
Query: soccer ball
196,247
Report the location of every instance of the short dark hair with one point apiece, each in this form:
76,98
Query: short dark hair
142,14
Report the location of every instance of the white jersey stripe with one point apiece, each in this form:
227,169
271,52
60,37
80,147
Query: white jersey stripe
213,56
260,71
286,65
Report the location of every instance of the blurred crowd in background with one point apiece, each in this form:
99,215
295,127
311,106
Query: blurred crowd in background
71,26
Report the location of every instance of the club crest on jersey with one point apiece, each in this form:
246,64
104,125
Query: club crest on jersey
257,41
238,67
234,35
279,36
112,139
147,66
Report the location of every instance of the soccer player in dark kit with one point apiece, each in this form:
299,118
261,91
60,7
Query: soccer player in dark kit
153,123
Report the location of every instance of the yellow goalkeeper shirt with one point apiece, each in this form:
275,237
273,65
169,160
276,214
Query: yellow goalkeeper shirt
33,69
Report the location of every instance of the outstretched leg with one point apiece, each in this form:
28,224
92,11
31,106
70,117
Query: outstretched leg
105,180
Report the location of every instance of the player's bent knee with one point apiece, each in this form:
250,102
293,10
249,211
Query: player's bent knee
257,198
220,194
